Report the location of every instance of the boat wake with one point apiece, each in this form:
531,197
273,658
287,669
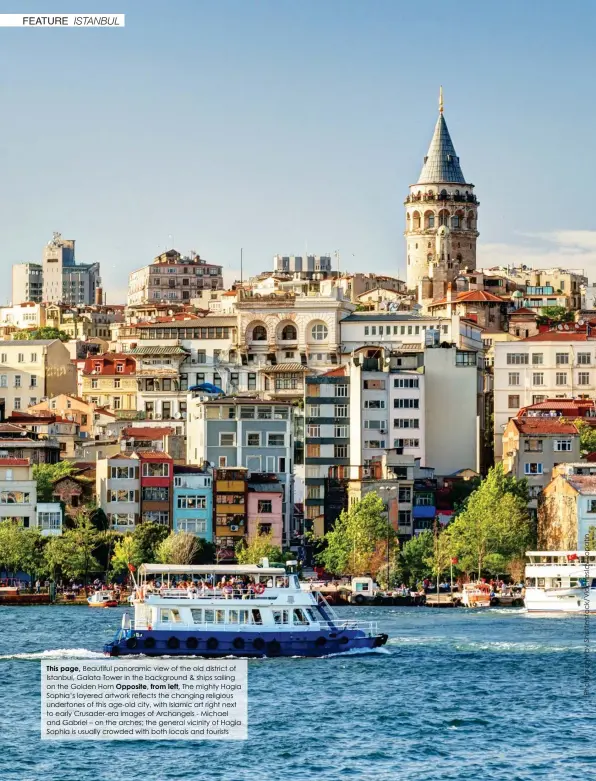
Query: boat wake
356,652
56,653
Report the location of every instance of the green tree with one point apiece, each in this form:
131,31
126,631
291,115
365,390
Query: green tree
46,474
555,314
495,527
261,547
126,551
177,548
352,543
19,548
147,537
415,557
47,332
73,553
587,436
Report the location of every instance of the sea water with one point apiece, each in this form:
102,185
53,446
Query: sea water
488,695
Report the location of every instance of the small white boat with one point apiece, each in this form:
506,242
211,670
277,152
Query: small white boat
476,595
102,599
561,582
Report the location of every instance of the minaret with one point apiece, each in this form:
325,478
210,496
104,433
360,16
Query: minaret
440,198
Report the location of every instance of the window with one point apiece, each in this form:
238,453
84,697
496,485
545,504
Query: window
192,525
264,506
21,358
227,439
49,520
120,368
122,472
341,390
592,505
533,446
340,451
117,402
117,384
222,461
17,380
406,403
289,333
259,333
3,380
313,451
276,440
93,384
405,495
562,358
252,381
537,359
513,378
121,495
201,358
17,403
14,497
513,402
313,411
583,378
406,443
533,469
159,469
374,404
313,431
563,445
404,517
33,381
466,358
264,413
253,439
517,358
121,519
247,413
340,432
366,330
537,378
319,332
406,422
33,357
584,358
194,502
341,410
375,424
156,494
561,378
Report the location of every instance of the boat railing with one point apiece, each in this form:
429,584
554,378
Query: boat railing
370,627
215,593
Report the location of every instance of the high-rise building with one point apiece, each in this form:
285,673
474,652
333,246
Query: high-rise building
172,278
64,280
441,219
27,283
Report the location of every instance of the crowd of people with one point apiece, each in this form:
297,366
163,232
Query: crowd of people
243,586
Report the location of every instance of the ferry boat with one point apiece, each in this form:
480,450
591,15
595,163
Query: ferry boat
560,582
102,599
234,610
475,595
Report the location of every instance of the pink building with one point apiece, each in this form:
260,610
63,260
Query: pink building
265,511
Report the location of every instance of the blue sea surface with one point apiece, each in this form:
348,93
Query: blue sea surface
455,694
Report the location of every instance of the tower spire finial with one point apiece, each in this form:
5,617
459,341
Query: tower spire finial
441,99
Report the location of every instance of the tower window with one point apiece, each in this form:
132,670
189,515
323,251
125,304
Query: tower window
416,245
429,220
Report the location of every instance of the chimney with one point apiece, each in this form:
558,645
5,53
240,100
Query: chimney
98,296
449,299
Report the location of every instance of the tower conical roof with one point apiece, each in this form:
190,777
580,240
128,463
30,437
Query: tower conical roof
441,164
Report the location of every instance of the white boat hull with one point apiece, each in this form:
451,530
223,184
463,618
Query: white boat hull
539,600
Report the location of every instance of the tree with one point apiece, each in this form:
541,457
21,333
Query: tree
73,553
261,547
147,536
19,548
177,548
587,436
555,314
126,551
46,474
495,527
351,544
415,556
46,332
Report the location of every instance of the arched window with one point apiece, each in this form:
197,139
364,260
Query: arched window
471,220
429,220
289,333
416,221
319,332
443,217
443,195
455,221
259,333
429,258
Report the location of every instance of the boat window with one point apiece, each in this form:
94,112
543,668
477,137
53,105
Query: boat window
220,616
256,617
238,617
540,582
299,617
197,615
281,616
281,582
209,616
165,616
311,614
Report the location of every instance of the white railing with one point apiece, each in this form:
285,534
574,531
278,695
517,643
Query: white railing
216,593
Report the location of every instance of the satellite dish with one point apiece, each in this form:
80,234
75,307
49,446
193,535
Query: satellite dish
177,416
559,327
581,322
566,327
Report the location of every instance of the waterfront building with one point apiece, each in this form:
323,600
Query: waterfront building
118,490
109,380
558,363
567,509
441,219
64,280
157,481
193,500
92,420
230,499
265,508
533,446
171,278
33,369
27,283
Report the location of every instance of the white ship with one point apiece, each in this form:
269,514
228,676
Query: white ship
560,582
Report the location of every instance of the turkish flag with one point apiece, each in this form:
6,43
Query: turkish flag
454,560
132,568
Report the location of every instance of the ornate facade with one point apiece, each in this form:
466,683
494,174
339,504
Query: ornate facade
441,219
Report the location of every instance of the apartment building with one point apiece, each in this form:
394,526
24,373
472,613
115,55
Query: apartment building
483,307
238,432
27,283
157,482
22,316
118,485
109,380
549,365
566,282
193,500
162,381
17,442
64,280
265,508
84,322
65,432
567,508
91,419
230,499
18,491
34,369
172,278
533,446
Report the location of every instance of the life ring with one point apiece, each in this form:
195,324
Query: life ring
343,640
212,643
494,601
274,648
131,642
149,642
359,599
192,643
321,641
173,642
260,588
115,651
238,643
259,643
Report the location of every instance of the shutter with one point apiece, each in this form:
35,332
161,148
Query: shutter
137,496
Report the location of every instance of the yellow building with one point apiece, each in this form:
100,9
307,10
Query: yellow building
109,380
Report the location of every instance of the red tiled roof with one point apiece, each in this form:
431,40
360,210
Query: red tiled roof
531,426
146,432
154,455
470,297
569,406
585,484
557,336
14,462
339,372
522,311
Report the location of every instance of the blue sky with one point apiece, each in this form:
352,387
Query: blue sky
282,127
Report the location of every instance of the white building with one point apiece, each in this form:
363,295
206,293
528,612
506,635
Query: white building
552,364
172,278
64,280
27,283
23,315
